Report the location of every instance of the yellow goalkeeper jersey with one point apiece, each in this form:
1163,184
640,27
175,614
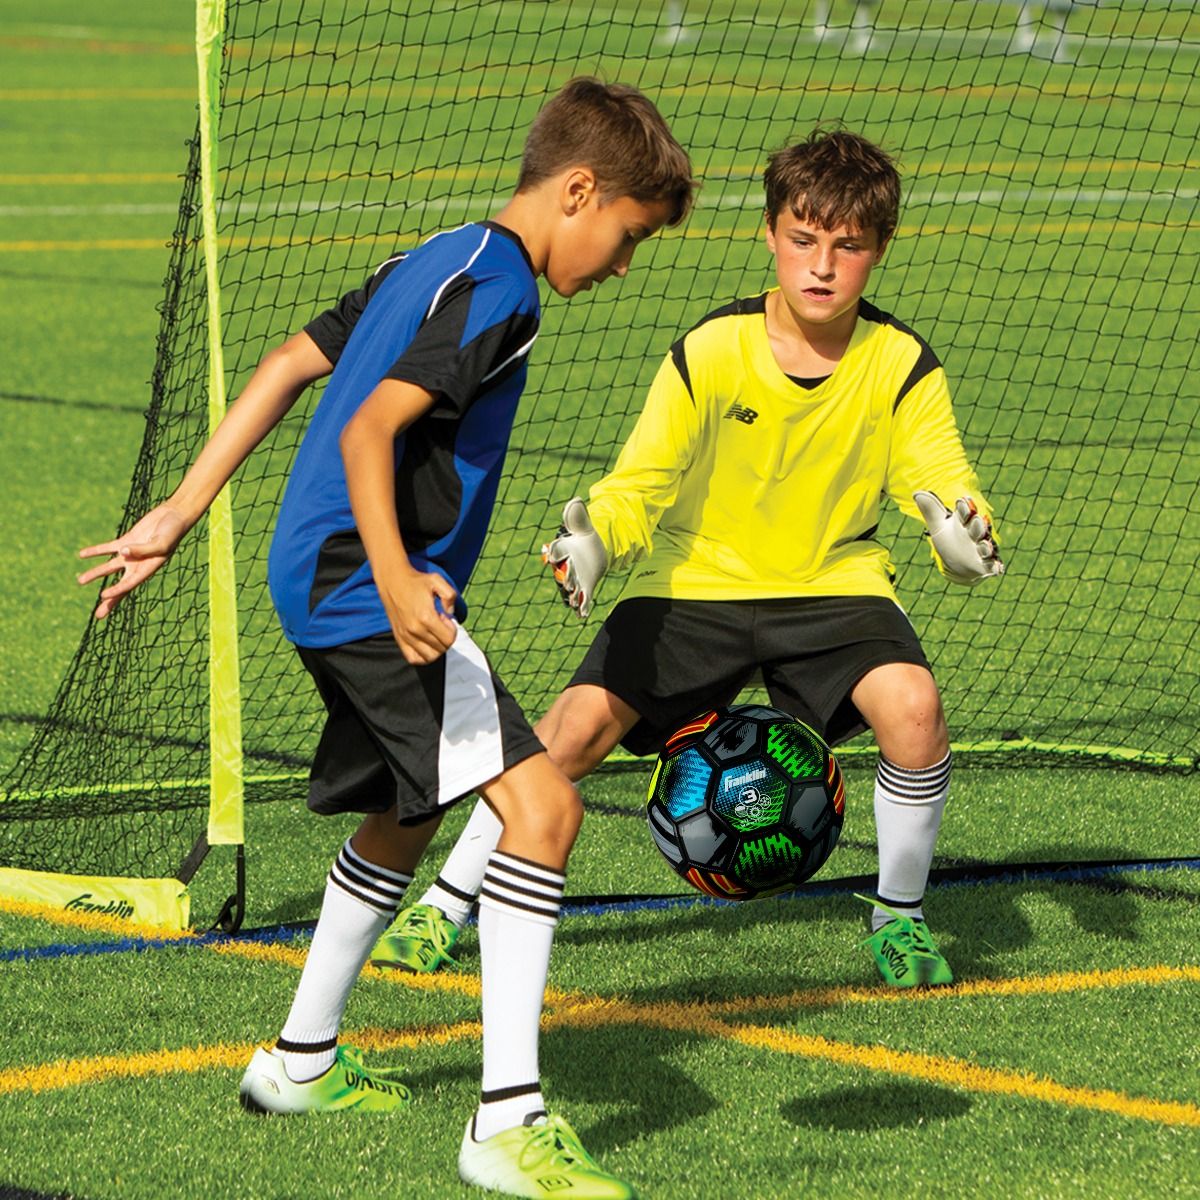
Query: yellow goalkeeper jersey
739,483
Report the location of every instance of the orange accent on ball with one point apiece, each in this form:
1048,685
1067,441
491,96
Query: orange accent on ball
699,725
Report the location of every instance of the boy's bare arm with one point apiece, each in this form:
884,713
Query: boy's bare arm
276,384
410,597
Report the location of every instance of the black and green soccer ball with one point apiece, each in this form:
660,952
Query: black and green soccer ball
745,802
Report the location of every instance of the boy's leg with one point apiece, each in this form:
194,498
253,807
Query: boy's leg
579,731
900,701
511,1142
364,889
582,728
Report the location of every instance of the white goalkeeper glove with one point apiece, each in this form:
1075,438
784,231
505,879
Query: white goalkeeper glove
577,558
962,538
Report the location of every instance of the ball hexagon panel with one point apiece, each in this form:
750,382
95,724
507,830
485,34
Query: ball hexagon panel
798,750
809,811
663,831
730,740
683,783
702,840
769,861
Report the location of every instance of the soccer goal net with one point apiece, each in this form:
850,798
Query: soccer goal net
1047,251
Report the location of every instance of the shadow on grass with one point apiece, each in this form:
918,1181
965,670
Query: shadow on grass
899,1105
975,921
303,907
623,1067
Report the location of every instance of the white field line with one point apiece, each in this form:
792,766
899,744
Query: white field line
688,33
746,199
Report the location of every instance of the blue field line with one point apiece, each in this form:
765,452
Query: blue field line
270,933
961,877
596,906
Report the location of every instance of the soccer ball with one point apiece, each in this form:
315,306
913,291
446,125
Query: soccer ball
745,802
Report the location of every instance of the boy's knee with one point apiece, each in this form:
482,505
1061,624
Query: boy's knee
912,731
580,729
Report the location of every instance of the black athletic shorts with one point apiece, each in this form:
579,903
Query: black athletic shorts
670,659
417,737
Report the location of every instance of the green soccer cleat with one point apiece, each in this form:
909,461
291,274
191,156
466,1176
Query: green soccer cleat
267,1089
544,1159
906,953
419,939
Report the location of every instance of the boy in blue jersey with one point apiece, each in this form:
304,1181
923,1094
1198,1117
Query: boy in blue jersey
381,523
749,494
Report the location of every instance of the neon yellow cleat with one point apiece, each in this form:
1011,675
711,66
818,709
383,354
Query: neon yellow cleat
544,1159
905,952
419,939
267,1089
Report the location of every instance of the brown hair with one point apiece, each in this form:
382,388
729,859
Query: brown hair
834,178
616,132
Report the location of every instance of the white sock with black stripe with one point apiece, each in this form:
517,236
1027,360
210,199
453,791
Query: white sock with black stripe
360,900
458,882
518,910
908,814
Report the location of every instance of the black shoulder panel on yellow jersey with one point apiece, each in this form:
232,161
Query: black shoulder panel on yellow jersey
738,308
927,362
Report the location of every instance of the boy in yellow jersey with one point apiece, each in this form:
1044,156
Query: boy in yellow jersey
749,494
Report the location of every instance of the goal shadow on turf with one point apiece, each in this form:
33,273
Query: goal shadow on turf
976,922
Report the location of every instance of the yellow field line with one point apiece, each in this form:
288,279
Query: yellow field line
954,1072
957,1073
8,95
1083,92
96,43
86,178
1036,985
575,1010
104,1068
462,982
290,956
46,247
93,922
968,1076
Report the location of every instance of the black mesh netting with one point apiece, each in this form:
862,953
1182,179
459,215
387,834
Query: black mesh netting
1046,250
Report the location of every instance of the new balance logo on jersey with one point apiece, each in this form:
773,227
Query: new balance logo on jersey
739,412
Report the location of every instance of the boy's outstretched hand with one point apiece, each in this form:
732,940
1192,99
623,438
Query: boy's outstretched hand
137,554
962,537
423,630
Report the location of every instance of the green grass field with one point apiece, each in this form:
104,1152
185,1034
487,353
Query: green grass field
701,1050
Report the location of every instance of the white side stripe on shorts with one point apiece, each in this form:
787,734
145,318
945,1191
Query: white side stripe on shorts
470,749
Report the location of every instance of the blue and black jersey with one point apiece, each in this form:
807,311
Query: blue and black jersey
456,316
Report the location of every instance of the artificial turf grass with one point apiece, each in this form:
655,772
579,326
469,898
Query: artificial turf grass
677,1111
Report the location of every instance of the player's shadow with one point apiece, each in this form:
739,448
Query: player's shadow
865,1108
623,1068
